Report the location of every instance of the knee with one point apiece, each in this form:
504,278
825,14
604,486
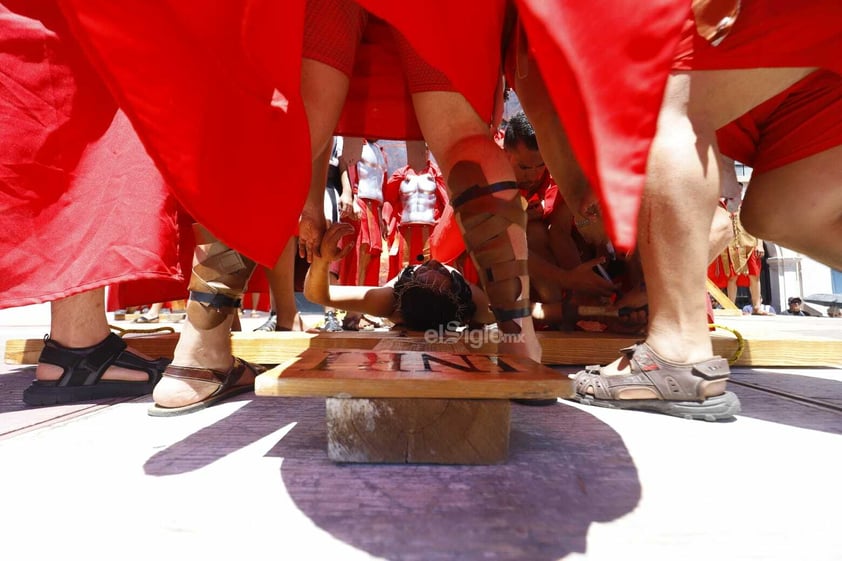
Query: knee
721,231
759,220
472,160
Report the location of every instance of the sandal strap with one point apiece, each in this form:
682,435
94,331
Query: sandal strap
216,300
478,191
85,366
224,379
670,381
153,367
82,366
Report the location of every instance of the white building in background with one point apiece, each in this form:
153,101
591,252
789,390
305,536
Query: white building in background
792,274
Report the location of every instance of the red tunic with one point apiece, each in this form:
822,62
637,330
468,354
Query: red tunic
807,117
803,120
769,33
81,204
198,91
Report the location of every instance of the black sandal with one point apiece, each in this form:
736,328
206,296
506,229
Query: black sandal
83,370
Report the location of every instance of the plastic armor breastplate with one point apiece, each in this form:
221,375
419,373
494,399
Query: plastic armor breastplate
371,170
418,197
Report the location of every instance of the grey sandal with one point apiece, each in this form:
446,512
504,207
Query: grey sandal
679,389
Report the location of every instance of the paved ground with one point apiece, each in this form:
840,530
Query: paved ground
250,479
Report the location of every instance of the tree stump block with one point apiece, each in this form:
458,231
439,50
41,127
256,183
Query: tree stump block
413,406
411,431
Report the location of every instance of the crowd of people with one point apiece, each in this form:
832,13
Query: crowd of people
603,195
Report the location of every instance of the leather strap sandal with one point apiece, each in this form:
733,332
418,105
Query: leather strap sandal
676,389
228,383
83,368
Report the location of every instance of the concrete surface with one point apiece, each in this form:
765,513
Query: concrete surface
250,479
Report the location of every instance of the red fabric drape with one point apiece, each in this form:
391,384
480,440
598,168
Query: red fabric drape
198,91
81,203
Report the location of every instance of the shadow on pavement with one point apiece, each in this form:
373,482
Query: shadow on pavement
566,470
795,399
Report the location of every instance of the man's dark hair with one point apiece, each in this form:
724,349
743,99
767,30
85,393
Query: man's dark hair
519,130
429,307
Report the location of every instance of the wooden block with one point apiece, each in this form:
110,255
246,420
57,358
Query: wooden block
412,374
27,351
723,312
279,347
768,342
720,296
771,341
580,348
257,347
411,431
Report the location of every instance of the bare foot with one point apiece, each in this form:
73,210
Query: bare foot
199,348
523,344
173,392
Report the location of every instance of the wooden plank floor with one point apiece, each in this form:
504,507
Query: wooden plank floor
767,341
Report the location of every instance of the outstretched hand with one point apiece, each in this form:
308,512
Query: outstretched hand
311,228
329,248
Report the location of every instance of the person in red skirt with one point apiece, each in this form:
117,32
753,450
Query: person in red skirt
768,94
82,207
219,94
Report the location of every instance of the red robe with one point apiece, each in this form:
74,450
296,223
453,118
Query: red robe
81,203
198,91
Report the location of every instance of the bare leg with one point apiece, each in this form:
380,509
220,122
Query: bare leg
363,263
816,229
721,233
679,201
282,286
731,289
675,371
80,321
205,340
754,291
468,156
323,89
255,298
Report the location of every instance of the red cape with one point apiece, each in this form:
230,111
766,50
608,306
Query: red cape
198,91
81,204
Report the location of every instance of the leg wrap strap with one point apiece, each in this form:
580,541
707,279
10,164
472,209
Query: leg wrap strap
219,278
485,222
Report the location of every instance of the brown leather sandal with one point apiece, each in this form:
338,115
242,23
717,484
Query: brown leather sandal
677,389
227,381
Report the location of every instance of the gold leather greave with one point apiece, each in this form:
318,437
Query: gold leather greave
485,221
219,279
